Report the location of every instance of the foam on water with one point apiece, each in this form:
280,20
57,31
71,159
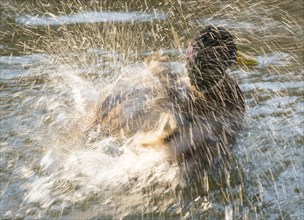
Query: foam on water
93,171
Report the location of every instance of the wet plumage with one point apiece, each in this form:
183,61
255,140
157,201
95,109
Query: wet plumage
194,117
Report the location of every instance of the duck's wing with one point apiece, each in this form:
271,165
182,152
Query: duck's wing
136,102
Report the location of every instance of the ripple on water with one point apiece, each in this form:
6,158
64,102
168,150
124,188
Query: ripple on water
89,17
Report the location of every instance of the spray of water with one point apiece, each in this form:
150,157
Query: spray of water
57,162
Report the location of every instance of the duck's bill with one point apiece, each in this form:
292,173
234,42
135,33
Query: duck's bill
245,59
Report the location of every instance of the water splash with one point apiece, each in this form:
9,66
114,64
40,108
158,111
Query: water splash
77,162
47,107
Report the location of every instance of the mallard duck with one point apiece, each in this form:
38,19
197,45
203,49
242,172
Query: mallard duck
193,117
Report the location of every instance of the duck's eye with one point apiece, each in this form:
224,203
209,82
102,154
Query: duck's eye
233,56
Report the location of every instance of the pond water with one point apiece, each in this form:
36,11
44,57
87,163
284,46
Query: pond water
58,59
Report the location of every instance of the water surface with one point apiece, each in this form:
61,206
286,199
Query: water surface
58,59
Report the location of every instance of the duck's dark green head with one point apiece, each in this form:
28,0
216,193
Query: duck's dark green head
209,55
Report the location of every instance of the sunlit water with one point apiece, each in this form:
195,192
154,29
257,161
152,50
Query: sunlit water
58,61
